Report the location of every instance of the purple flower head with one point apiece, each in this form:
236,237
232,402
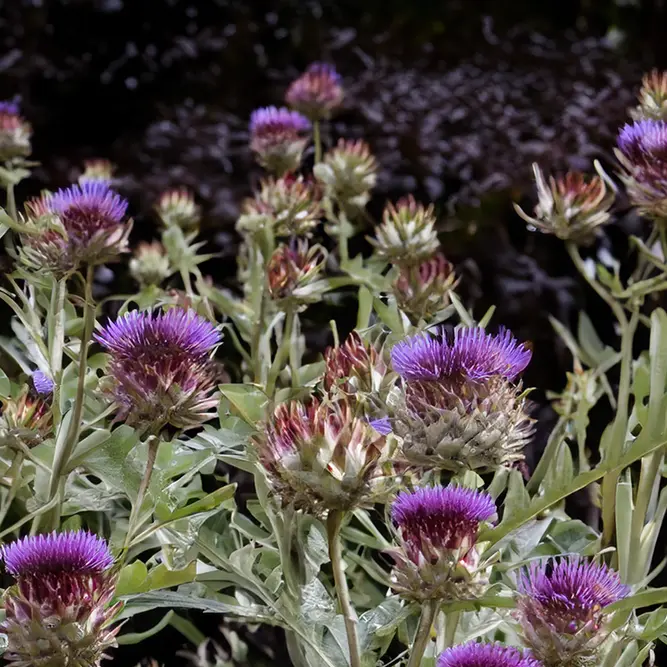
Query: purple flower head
473,355
77,552
277,138
94,229
277,122
42,383
161,366
60,611
568,593
431,519
643,141
317,92
477,654
9,108
381,425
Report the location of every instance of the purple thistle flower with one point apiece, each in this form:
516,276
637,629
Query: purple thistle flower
473,355
15,132
561,606
317,92
478,654
381,425
642,152
59,612
161,366
277,138
435,518
42,383
77,552
93,227
569,592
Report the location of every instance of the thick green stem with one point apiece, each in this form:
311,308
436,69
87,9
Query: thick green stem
152,443
334,523
423,634
62,456
14,474
11,203
451,625
281,353
616,441
317,142
56,347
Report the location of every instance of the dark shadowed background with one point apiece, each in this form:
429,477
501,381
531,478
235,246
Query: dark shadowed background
456,99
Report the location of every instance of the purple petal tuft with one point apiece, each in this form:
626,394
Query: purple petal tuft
478,654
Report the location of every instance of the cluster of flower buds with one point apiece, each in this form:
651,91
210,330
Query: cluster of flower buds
573,207
407,234
27,418
278,138
457,406
15,133
293,270
561,609
150,264
348,173
437,530
60,610
97,170
422,291
160,371
177,208
289,205
642,152
652,97
79,225
481,654
321,456
317,93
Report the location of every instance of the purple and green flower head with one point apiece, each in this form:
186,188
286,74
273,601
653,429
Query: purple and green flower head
76,552
473,354
432,519
568,593
15,132
479,654
278,138
317,92
93,226
161,367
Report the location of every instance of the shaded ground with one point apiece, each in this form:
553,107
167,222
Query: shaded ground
456,103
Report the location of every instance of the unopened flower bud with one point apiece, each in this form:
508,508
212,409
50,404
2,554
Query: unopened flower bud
177,208
561,609
293,271
15,133
317,92
422,291
59,612
642,152
97,170
26,418
407,234
150,264
456,406
353,367
486,654
278,138
290,205
321,457
349,173
652,97
437,530
160,369
80,225
573,207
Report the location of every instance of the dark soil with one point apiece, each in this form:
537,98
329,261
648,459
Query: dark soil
456,99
